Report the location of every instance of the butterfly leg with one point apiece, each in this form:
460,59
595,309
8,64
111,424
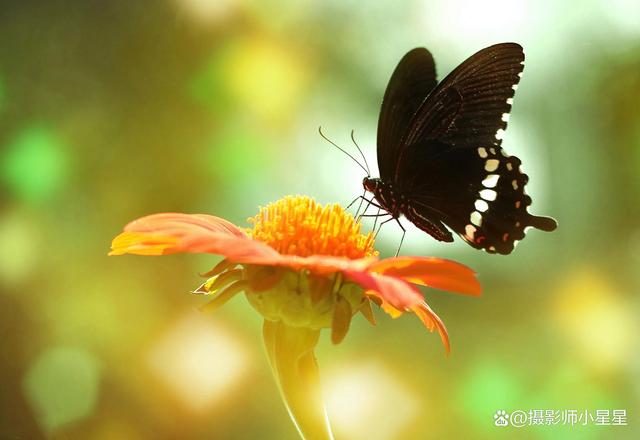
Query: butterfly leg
404,231
369,203
362,199
375,222
354,201
375,216
380,227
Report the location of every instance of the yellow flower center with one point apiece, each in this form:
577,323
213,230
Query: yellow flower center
300,226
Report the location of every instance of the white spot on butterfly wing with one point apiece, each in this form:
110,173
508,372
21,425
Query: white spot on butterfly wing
514,184
488,194
492,150
476,218
505,117
491,165
510,101
481,205
500,134
514,87
470,232
509,167
491,181
482,152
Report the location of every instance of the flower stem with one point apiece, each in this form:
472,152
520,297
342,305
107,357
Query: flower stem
294,365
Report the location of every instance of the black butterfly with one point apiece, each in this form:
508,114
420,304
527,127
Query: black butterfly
439,150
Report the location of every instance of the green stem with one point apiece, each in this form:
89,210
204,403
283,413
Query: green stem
294,366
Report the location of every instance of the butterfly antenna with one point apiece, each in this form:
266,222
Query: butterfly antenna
361,153
334,144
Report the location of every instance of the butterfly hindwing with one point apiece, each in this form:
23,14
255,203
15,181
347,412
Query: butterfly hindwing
478,193
408,87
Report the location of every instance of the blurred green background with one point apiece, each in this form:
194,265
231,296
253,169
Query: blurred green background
113,110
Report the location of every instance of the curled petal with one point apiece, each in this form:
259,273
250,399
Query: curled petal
424,313
432,322
395,291
433,272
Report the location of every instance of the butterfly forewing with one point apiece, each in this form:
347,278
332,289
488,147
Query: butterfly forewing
408,87
466,109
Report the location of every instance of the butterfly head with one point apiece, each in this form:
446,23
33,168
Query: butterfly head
370,184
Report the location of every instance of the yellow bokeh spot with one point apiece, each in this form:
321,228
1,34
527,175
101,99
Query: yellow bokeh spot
266,78
595,318
367,401
20,255
199,361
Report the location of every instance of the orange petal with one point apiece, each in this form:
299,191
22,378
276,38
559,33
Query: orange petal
325,264
177,223
400,294
432,321
162,234
142,244
426,315
433,272
390,310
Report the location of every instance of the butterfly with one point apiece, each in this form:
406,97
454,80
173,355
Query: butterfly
439,150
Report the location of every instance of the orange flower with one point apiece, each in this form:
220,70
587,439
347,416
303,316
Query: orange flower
304,267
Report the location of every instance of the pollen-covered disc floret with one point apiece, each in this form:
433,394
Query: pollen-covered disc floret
300,226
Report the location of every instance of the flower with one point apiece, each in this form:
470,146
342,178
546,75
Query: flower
304,267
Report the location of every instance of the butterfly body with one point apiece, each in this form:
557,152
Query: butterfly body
439,150
386,195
